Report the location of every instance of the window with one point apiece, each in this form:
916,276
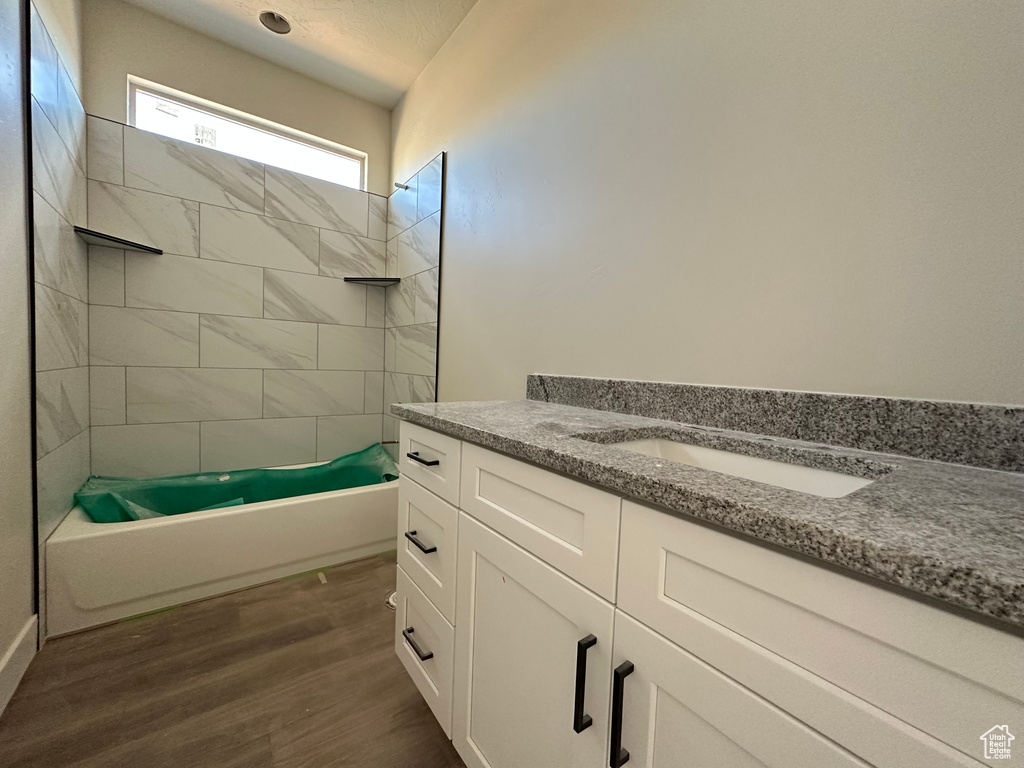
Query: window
178,115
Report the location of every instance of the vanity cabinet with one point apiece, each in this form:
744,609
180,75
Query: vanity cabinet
677,711
433,460
576,629
835,641
428,530
425,644
569,525
524,632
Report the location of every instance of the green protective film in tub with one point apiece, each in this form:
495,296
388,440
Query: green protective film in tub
120,499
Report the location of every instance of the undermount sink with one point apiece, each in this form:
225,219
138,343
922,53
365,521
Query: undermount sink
818,482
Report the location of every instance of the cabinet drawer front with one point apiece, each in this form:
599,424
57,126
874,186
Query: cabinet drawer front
517,640
433,523
940,673
679,711
427,447
431,634
568,524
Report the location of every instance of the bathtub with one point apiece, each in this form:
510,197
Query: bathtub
98,573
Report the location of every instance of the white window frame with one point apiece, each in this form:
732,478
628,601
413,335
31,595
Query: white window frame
138,84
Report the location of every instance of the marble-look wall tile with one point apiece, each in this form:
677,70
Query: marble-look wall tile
44,66
70,121
231,445
61,260
391,434
416,349
193,394
375,306
402,209
236,342
292,296
312,393
62,407
59,475
318,203
377,227
179,169
343,255
391,258
106,276
106,396
412,301
261,241
244,425
61,287
125,336
55,174
405,388
145,450
419,248
400,303
428,188
104,150
168,223
373,399
62,330
389,349
338,436
351,348
425,287
193,285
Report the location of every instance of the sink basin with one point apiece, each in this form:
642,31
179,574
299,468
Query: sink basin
817,482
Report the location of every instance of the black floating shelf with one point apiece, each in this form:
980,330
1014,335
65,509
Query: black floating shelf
379,281
92,237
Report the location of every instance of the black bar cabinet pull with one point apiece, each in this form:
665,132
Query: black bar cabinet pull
415,456
411,536
580,720
424,655
619,756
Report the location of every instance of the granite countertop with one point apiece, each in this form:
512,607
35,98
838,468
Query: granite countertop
952,532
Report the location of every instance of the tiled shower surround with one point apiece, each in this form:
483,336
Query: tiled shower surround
241,346
411,306
61,282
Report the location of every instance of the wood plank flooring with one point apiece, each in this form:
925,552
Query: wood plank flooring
294,674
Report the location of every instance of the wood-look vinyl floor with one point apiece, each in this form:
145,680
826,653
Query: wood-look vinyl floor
294,674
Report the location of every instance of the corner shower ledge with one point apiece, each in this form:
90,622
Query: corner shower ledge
378,281
92,237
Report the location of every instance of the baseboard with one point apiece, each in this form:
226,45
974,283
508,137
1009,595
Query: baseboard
16,659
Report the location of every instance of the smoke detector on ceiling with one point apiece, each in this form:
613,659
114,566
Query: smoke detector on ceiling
275,22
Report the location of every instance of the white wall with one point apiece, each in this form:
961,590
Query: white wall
121,39
800,195
16,564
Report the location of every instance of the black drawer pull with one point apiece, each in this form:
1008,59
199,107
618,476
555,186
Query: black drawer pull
415,456
619,756
411,536
424,655
580,720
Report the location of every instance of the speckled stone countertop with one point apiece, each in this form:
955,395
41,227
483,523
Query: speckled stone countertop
951,532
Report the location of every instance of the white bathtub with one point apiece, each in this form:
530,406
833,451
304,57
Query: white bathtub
97,573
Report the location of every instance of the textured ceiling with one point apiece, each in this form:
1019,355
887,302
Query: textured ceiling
370,48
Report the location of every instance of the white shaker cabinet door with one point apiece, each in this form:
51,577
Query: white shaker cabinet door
678,711
518,647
